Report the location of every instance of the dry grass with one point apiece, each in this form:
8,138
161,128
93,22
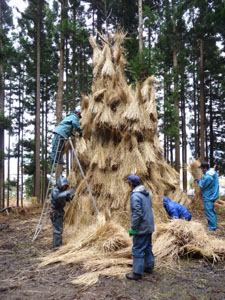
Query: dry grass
181,238
196,173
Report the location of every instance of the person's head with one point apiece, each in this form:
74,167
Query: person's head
133,181
64,187
204,166
77,113
62,183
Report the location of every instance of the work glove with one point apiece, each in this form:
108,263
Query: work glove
70,197
132,231
81,134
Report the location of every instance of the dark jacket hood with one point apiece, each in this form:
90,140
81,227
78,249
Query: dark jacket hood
140,189
61,182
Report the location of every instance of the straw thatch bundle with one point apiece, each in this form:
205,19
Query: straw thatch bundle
181,238
120,129
196,173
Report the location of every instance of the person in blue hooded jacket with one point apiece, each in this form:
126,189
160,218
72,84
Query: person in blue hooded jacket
59,196
209,186
142,227
176,210
63,131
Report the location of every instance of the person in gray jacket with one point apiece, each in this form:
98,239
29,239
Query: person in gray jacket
142,227
59,196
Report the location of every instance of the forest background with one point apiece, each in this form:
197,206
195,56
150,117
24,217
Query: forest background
45,67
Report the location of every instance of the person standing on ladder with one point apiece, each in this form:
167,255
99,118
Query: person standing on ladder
63,131
59,196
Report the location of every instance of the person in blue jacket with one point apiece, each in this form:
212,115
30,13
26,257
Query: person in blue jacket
142,227
209,186
59,196
176,210
63,131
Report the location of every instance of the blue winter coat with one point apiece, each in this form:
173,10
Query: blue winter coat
141,211
176,210
209,185
59,197
65,127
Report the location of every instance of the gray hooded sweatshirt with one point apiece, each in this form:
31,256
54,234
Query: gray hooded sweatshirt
59,197
141,211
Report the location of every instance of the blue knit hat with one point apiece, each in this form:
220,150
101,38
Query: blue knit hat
133,179
77,111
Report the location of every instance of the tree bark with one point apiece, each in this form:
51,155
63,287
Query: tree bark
140,27
176,99
9,146
59,95
22,183
202,104
18,151
184,134
2,169
211,134
37,120
61,68
74,63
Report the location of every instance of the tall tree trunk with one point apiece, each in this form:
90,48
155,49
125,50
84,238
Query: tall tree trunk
61,73
171,152
46,141
202,104
140,27
37,120
21,189
2,115
61,67
18,151
164,120
176,99
196,113
9,140
184,134
43,144
93,20
211,134
106,18
74,62
68,106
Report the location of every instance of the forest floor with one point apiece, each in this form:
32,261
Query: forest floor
20,277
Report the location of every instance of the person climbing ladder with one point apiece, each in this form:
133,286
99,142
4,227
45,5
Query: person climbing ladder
63,131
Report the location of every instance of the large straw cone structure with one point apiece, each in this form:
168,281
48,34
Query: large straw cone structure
120,138
120,130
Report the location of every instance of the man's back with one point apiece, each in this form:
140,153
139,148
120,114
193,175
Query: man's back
210,185
65,127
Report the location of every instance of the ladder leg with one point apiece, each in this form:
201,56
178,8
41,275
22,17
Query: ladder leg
83,175
45,210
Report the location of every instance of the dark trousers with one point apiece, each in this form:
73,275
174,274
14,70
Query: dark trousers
142,253
57,223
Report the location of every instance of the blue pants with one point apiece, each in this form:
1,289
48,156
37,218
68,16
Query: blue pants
55,141
142,253
210,213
